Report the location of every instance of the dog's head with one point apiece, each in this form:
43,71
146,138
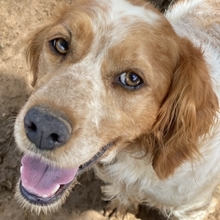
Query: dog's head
108,75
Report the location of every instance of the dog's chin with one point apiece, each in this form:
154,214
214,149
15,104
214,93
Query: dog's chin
44,188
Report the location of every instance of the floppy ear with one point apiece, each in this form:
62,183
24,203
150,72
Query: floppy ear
34,50
187,113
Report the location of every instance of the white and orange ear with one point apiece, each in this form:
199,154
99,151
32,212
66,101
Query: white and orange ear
187,113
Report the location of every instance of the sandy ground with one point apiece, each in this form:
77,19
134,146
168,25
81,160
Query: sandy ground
18,18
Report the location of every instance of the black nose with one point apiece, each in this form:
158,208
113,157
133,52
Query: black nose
46,130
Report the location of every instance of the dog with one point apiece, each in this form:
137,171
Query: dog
132,93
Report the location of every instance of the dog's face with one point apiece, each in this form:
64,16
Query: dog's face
102,70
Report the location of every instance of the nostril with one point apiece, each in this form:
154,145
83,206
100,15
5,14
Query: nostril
55,138
31,126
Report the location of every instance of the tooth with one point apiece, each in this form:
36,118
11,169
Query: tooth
45,196
55,189
21,169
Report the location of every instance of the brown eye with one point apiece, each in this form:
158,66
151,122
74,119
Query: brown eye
130,79
60,45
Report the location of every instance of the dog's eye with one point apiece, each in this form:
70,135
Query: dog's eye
130,79
60,45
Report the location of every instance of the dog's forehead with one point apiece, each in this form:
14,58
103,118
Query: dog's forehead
114,12
114,17
112,21
108,11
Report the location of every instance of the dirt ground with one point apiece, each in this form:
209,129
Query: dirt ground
18,18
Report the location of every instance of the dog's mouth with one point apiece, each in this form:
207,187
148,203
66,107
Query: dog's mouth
43,184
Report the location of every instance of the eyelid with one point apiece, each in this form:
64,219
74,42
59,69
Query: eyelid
60,31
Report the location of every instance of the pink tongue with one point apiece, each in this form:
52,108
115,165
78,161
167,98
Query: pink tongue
42,179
